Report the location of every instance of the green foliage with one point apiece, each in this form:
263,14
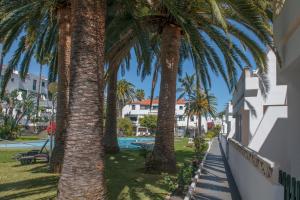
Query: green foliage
170,182
9,130
140,94
184,177
217,129
150,122
125,126
213,132
200,147
17,105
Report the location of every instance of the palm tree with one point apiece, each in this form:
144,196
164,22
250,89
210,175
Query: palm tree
124,33
82,174
39,26
207,32
202,104
140,94
186,89
125,93
63,62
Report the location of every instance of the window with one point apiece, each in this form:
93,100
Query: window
12,79
181,118
43,84
133,119
192,118
34,85
133,107
180,107
155,107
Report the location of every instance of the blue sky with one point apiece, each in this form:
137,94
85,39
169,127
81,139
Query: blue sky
219,88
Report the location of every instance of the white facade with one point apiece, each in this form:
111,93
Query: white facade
287,40
137,110
267,127
29,85
254,102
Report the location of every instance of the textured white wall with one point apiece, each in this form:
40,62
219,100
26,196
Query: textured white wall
251,184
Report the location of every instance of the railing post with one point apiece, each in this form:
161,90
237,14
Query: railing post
293,189
298,190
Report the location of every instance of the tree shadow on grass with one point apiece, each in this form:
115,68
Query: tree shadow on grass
50,181
24,194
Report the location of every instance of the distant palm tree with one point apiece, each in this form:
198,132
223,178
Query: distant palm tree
186,89
203,105
125,93
140,94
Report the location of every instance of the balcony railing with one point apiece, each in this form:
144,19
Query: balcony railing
291,186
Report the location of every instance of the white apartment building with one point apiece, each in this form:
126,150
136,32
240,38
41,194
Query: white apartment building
137,110
263,138
29,85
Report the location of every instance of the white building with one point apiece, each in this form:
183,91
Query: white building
254,117
265,138
29,85
137,110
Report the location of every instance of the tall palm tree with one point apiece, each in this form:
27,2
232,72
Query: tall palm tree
63,62
204,32
82,174
202,105
124,32
140,94
39,23
186,89
125,93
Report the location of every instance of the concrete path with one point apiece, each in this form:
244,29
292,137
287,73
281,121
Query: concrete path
215,181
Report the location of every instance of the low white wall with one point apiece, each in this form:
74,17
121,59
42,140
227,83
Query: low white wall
251,183
223,142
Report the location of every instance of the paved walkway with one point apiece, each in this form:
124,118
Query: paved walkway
215,181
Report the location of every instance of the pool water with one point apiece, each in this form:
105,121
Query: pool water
124,143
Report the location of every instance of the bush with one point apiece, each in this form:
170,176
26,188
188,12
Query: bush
125,126
9,131
185,177
200,147
171,182
150,122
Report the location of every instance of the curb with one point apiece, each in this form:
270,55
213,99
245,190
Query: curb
196,177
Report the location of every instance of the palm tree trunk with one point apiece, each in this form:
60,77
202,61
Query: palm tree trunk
188,120
82,174
64,59
39,92
199,126
110,135
1,63
163,155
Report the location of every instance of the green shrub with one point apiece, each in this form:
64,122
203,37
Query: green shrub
170,182
185,177
211,134
150,122
10,130
200,147
125,126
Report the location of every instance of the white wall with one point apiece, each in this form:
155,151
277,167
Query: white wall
287,40
251,183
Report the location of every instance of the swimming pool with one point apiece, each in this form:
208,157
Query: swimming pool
124,143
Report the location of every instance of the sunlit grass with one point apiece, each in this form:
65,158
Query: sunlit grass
125,177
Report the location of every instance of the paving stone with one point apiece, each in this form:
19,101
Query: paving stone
216,181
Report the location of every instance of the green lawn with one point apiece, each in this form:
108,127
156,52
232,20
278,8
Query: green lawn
28,138
124,175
